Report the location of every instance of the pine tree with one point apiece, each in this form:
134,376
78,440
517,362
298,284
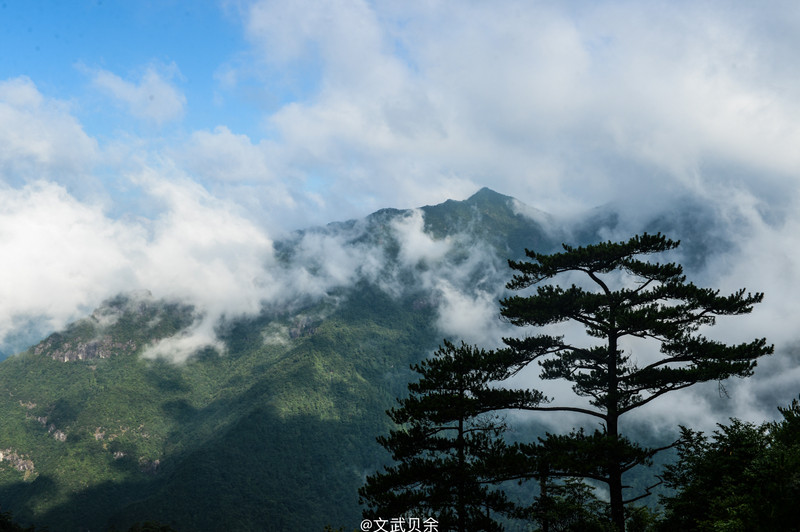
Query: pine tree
628,298
445,444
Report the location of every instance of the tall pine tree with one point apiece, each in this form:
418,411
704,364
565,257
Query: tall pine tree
627,298
446,445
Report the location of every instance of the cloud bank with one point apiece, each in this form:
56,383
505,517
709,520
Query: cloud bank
571,105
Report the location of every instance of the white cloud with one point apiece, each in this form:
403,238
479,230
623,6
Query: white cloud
471,317
223,155
417,248
62,256
153,98
463,278
344,34
180,347
563,106
65,256
201,248
39,137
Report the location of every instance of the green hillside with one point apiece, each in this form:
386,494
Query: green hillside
251,432
275,431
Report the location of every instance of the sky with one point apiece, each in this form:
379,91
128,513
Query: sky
165,145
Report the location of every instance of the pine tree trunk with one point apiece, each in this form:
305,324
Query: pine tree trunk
615,486
462,527
544,498
614,469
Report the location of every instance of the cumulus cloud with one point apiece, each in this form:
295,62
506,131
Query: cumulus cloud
153,98
66,255
178,348
416,246
765,259
465,279
223,155
69,255
62,256
471,317
200,246
562,106
251,174
40,138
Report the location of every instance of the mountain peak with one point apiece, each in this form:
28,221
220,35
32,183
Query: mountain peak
488,196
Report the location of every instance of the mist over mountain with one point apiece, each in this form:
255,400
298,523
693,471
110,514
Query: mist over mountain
184,410
177,321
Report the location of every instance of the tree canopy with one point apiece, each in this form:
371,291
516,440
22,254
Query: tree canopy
444,446
626,297
742,477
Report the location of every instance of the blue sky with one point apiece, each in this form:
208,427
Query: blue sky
60,45
164,145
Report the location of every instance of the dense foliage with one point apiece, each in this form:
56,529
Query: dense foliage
248,432
742,477
444,447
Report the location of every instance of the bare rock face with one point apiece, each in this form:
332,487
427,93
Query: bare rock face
93,349
57,434
120,326
19,462
149,467
302,326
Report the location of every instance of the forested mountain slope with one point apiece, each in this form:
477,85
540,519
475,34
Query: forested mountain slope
271,428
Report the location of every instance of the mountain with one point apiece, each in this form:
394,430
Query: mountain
273,427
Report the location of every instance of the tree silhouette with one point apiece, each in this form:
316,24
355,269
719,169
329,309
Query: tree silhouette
444,446
449,447
743,477
627,298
